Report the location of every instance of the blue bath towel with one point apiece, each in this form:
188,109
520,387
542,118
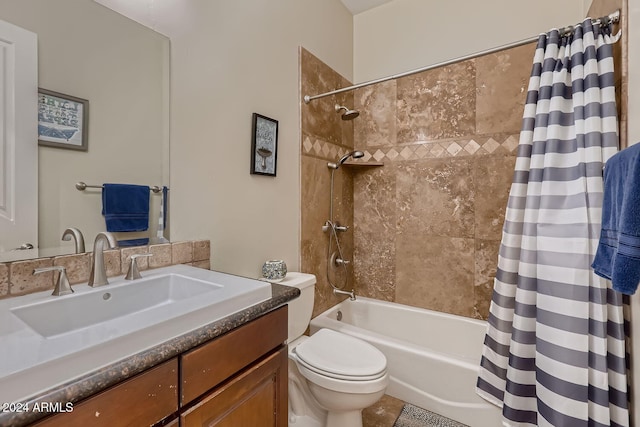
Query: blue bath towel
133,242
618,255
125,207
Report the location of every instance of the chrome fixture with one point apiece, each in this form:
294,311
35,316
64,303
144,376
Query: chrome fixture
62,285
351,293
98,276
134,272
334,166
348,113
76,234
23,247
355,154
611,18
81,186
335,259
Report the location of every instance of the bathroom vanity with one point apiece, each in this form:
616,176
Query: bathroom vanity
229,370
237,379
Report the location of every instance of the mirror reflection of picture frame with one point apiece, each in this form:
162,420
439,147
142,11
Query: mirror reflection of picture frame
63,120
264,145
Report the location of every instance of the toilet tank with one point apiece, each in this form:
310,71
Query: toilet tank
301,308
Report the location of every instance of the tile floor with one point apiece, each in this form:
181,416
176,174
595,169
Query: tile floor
391,412
383,413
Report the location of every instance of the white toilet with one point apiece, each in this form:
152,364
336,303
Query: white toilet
332,376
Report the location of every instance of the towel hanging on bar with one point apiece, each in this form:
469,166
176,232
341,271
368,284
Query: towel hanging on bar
81,186
125,207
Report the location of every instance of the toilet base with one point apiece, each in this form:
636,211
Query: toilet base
342,419
303,421
344,409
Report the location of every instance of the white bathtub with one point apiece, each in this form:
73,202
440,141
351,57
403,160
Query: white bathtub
432,357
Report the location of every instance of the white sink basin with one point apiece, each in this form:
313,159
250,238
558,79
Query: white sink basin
48,340
126,306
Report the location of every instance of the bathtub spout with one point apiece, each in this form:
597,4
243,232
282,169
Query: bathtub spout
351,293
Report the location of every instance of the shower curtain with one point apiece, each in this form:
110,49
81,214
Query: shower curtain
554,352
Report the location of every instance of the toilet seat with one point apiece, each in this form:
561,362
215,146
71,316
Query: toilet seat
341,356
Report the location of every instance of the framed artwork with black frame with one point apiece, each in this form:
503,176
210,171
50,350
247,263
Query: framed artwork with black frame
63,120
264,145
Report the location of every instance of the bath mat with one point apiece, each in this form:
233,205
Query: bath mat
412,416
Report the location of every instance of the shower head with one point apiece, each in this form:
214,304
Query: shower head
347,114
355,154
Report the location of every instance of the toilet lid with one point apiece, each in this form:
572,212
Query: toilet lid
341,355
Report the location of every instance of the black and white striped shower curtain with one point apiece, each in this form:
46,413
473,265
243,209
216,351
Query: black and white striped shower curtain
554,352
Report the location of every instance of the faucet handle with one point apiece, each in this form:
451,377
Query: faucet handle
133,272
62,285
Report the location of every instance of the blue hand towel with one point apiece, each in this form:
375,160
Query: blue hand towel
133,242
618,254
125,207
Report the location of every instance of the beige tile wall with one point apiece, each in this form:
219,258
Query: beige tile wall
325,138
427,225
17,278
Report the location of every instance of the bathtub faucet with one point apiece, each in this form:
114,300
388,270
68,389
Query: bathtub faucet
351,293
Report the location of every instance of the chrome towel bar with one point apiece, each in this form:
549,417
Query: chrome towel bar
81,186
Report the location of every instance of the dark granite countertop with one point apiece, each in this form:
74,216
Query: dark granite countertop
98,380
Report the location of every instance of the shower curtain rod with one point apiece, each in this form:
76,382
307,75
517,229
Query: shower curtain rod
611,18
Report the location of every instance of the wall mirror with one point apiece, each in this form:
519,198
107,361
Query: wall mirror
121,68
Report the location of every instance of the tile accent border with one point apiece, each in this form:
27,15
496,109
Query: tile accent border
16,278
477,146
324,150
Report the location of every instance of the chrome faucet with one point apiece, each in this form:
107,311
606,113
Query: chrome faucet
76,234
134,271
62,285
98,276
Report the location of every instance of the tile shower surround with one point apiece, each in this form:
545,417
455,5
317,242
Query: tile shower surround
320,122
426,226
16,278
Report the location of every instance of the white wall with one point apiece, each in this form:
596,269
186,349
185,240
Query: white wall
407,34
230,59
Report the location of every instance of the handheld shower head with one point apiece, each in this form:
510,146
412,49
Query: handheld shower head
355,154
347,114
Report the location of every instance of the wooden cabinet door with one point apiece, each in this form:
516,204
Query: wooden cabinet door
255,398
208,365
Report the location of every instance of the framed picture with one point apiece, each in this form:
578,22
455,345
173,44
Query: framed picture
63,120
264,145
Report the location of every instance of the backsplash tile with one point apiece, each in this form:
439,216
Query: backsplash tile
201,250
206,264
17,278
113,262
125,258
182,252
77,267
23,281
4,280
160,255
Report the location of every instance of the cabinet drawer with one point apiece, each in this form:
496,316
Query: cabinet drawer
142,400
210,364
